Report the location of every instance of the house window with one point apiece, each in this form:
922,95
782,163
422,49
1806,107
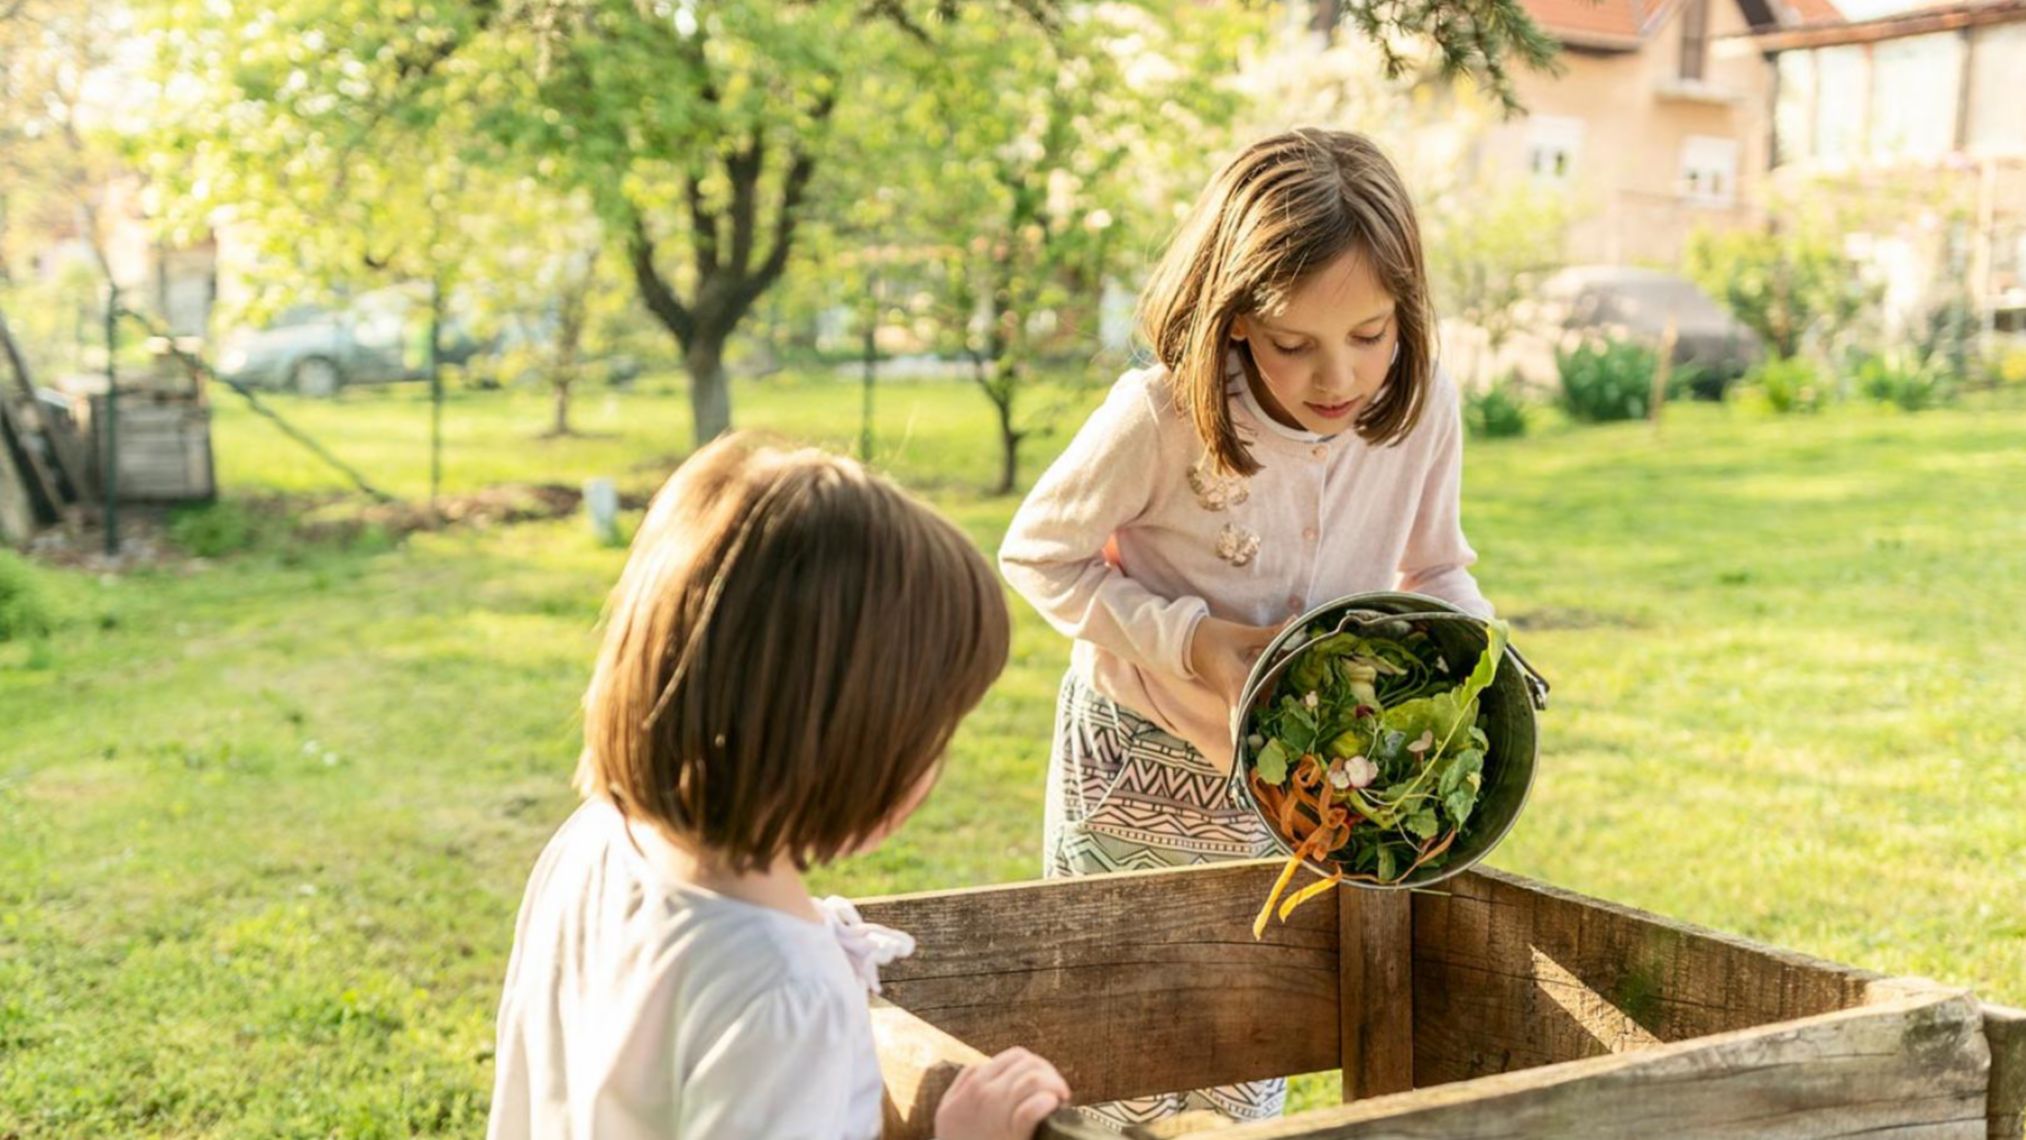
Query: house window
1709,170
1553,143
1694,40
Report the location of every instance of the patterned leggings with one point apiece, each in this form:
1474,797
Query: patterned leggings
1125,796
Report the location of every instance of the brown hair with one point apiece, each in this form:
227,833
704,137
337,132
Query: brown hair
788,651
1285,208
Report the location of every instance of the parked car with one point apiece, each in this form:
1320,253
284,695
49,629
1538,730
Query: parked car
1712,347
317,351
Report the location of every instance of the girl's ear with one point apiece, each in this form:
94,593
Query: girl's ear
1240,328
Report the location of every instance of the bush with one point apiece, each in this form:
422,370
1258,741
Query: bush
2008,367
25,610
1910,385
213,530
1497,412
1604,380
1789,384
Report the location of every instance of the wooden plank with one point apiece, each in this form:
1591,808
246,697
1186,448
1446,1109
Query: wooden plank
1376,933
1131,984
918,1062
64,448
17,504
1914,1068
1952,18
1511,974
20,422
2005,1030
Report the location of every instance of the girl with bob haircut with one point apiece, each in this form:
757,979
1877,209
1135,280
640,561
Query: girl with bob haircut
787,654
1293,442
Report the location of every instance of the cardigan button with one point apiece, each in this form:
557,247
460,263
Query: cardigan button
1294,605
1310,535
1320,451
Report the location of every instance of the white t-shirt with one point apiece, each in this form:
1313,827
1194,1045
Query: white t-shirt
639,1009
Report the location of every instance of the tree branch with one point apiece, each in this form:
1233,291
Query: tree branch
411,71
703,224
793,186
744,169
654,290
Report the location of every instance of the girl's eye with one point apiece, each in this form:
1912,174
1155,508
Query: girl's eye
1290,349
1369,341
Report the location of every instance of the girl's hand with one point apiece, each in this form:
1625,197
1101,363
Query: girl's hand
1002,1099
1222,652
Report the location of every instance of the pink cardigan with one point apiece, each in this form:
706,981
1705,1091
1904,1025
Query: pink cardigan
1129,539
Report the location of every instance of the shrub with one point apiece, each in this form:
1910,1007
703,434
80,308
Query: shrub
1910,385
25,610
1497,412
1604,380
1789,384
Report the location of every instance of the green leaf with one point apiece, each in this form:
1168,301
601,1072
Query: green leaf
1456,768
1424,824
1271,763
1460,803
1387,865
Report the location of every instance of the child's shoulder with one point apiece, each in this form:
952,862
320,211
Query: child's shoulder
1143,400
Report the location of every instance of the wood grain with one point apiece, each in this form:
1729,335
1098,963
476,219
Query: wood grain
1912,1068
1131,984
1512,974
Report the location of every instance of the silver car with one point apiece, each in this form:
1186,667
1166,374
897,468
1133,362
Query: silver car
317,351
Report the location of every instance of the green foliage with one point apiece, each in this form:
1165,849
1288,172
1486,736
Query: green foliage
1605,379
1497,412
1790,384
25,609
1793,288
1905,381
1486,252
214,530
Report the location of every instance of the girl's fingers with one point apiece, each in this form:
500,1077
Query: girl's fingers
995,1070
1040,1077
1035,1109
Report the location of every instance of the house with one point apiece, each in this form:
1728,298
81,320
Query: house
1660,122
1911,129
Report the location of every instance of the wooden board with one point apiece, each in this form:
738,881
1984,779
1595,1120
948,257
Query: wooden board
1377,972
1132,984
1912,1068
1511,974
17,502
918,1062
164,449
2005,1030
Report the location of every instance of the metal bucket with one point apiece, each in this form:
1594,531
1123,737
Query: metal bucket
1505,711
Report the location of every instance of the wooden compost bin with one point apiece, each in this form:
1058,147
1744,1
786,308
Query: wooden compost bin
1492,1007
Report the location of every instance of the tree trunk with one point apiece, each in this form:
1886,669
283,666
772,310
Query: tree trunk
435,390
869,360
562,391
569,339
1006,384
710,402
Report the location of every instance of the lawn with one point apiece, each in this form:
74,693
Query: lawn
264,821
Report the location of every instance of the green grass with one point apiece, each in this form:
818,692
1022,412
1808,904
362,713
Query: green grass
264,823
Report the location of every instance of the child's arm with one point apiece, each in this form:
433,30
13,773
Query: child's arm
1438,558
1054,553
782,1070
